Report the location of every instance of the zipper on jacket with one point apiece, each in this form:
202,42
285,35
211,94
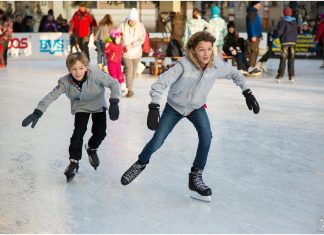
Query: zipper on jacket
194,90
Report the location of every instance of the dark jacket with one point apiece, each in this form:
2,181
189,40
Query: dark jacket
253,23
230,40
287,30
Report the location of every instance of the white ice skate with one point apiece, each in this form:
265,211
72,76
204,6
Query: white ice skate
123,89
198,189
199,197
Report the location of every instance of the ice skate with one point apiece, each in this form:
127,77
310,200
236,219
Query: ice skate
254,71
322,65
93,157
71,170
123,89
132,173
199,190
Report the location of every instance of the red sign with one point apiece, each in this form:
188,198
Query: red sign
18,43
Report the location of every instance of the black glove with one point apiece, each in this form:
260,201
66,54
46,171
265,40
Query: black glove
153,116
113,109
251,102
32,118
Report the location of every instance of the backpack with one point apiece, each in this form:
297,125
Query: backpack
146,45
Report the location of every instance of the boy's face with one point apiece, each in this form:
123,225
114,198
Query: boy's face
203,51
78,70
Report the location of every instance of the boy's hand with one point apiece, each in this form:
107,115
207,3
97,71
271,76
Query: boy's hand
32,118
113,109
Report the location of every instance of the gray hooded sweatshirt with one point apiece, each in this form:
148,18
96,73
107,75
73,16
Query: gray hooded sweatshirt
190,85
91,99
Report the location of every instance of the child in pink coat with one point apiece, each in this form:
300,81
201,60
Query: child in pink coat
114,53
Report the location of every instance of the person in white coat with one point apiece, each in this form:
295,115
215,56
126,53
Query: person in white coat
133,38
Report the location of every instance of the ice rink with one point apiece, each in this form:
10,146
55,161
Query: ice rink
266,170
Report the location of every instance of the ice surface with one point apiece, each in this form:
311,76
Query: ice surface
266,170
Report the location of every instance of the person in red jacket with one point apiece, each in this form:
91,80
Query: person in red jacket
81,25
114,52
320,38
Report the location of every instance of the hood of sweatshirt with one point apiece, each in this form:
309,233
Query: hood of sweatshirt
289,19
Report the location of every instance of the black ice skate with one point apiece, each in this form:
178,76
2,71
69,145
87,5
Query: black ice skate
132,173
71,170
93,157
197,186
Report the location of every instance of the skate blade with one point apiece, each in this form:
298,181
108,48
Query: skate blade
197,196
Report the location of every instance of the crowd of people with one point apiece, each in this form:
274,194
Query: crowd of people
133,35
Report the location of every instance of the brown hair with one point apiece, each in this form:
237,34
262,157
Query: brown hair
198,37
106,20
76,56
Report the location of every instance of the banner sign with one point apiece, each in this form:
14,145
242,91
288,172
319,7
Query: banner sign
305,46
38,45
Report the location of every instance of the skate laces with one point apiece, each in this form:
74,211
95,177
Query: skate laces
133,171
198,180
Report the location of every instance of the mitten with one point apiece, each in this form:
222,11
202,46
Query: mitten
153,116
251,102
113,109
32,118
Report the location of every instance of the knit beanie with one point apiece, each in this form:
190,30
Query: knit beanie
133,15
287,11
215,11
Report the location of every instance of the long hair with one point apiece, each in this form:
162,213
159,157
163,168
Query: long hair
106,21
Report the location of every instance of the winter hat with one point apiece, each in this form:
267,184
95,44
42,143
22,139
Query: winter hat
254,3
133,15
115,33
231,24
287,11
215,11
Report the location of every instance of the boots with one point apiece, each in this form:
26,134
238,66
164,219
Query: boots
105,69
132,173
199,190
93,157
71,170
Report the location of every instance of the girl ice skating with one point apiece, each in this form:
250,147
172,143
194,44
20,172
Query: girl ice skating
190,81
114,52
86,90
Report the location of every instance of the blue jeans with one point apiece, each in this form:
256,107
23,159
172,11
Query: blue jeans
169,119
101,56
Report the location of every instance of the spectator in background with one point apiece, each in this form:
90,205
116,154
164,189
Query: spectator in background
312,26
194,25
9,11
254,30
304,30
133,38
81,25
232,48
287,33
28,24
104,28
17,25
320,39
44,19
63,26
218,29
50,24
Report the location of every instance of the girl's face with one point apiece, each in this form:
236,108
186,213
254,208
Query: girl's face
203,51
231,30
78,70
118,40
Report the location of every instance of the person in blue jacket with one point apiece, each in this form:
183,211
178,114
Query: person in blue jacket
254,30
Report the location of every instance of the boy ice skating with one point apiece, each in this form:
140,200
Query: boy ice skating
190,81
86,90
